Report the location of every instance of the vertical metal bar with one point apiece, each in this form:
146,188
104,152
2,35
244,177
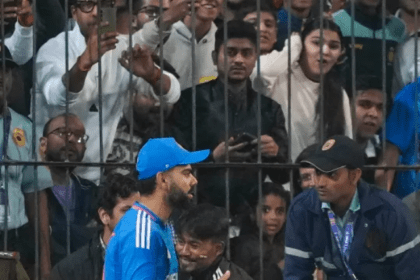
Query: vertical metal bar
193,76
162,122
321,69
226,100
3,65
34,143
260,232
353,56
130,88
289,93
384,87
67,65
416,115
100,96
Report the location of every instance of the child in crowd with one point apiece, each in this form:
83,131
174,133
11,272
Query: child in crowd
270,215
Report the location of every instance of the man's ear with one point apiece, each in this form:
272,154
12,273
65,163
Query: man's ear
43,146
214,57
355,176
73,11
104,216
220,248
162,181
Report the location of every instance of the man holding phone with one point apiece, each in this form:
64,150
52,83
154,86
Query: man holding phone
82,83
243,128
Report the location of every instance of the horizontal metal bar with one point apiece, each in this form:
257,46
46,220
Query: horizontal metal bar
200,165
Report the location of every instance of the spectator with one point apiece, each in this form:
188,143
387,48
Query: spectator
145,109
202,233
84,98
142,244
87,263
368,33
177,50
271,216
305,103
20,44
71,198
299,11
401,146
405,60
304,177
148,10
210,121
19,205
369,100
349,228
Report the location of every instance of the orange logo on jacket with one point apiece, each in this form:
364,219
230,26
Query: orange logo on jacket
19,137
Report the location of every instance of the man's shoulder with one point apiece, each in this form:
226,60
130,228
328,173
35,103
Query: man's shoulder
236,272
58,42
341,16
307,200
372,196
140,227
202,90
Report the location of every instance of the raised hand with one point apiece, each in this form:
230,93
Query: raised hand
92,53
143,65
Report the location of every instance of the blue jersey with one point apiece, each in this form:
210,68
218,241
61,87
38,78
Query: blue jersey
401,131
141,247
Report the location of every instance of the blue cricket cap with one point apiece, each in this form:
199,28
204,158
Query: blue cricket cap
162,154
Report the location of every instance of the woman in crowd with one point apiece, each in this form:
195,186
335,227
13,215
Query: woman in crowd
270,215
308,106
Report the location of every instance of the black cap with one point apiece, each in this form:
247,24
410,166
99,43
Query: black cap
8,57
337,152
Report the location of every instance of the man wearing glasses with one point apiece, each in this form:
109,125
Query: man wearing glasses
71,197
80,89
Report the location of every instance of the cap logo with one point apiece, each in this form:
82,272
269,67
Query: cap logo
328,145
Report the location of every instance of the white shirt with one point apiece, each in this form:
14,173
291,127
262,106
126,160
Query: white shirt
51,92
20,44
405,63
178,52
304,96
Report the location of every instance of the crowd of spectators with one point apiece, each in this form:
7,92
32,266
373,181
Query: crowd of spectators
248,90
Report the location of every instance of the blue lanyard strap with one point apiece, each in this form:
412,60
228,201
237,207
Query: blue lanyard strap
3,149
343,244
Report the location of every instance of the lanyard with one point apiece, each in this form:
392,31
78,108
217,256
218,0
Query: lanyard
8,120
344,244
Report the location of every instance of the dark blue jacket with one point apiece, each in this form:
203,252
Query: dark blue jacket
385,243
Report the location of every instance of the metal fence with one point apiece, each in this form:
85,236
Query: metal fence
6,163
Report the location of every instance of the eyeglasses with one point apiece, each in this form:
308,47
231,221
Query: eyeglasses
86,6
62,132
151,11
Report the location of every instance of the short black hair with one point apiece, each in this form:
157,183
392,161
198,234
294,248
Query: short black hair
252,8
236,29
204,222
146,186
47,124
305,154
365,82
278,190
116,186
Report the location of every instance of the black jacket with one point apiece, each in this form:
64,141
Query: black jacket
245,252
216,272
210,108
84,264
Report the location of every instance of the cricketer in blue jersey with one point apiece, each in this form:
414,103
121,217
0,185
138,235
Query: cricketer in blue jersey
142,245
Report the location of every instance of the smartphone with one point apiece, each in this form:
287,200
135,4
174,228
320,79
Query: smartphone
108,14
245,138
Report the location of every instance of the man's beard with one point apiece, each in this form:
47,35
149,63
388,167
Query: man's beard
178,199
62,156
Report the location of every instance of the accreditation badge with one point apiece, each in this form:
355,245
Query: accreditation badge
19,137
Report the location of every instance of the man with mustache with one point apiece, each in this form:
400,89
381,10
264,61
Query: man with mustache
349,229
242,110
71,197
142,246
